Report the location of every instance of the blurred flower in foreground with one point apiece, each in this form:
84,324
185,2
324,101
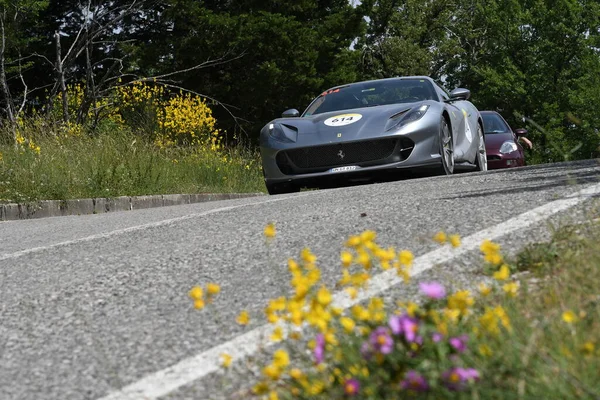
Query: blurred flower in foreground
433,290
270,231
351,387
243,318
415,382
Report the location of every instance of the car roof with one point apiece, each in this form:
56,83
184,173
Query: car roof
382,80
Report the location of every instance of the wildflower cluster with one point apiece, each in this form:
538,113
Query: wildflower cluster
25,143
197,294
367,350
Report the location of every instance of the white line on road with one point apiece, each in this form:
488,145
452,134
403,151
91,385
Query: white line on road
146,226
191,369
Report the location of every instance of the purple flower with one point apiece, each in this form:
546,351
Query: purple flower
459,343
414,381
405,325
433,290
457,378
381,340
437,337
319,348
351,387
366,350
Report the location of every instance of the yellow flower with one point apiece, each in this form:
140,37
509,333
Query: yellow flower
346,258
440,237
406,257
588,348
277,335
503,273
296,374
485,350
270,231
488,247
293,266
281,359
484,289
199,304
273,395
368,236
454,240
353,241
260,388
352,292
243,318
271,371
348,324
196,293
213,288
461,301
364,259
569,317
307,256
511,288
226,360
324,296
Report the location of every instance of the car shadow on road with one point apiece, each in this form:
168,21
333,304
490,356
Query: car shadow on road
573,179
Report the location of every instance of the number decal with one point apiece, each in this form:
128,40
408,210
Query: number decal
344,119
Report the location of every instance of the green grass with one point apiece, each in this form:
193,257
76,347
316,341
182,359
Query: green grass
545,357
113,165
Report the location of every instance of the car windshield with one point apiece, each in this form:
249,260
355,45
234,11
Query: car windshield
370,94
493,123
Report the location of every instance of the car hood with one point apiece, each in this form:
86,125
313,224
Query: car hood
493,141
372,123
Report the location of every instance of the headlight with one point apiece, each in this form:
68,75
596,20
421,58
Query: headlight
283,133
413,115
508,147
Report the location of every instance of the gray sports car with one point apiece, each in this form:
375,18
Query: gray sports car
364,129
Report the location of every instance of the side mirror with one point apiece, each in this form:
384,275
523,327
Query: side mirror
521,132
291,113
460,94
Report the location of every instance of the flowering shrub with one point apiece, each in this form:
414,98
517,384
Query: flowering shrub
168,119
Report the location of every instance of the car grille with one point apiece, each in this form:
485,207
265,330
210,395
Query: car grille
493,158
361,153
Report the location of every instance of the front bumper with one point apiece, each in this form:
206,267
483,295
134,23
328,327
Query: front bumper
349,160
499,161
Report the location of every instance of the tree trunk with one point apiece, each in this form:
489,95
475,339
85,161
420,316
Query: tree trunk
60,74
4,85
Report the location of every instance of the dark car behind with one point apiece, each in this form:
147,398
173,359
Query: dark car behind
501,142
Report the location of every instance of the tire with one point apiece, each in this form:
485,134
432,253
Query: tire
446,148
481,157
281,188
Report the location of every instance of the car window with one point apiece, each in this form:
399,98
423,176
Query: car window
493,123
443,94
370,94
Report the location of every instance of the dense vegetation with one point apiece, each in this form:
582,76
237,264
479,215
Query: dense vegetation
533,60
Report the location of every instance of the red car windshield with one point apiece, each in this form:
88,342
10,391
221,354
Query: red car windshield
370,94
493,123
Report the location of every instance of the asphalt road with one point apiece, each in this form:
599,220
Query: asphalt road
91,304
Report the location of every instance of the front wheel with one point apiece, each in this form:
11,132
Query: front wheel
481,159
446,148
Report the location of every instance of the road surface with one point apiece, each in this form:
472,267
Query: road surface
96,306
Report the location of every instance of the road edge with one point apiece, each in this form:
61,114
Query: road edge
60,208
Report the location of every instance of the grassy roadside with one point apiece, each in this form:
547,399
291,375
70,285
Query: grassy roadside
530,333
118,165
553,349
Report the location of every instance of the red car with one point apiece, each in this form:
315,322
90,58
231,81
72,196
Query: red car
501,142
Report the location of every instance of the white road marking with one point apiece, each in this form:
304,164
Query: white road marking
191,369
146,226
